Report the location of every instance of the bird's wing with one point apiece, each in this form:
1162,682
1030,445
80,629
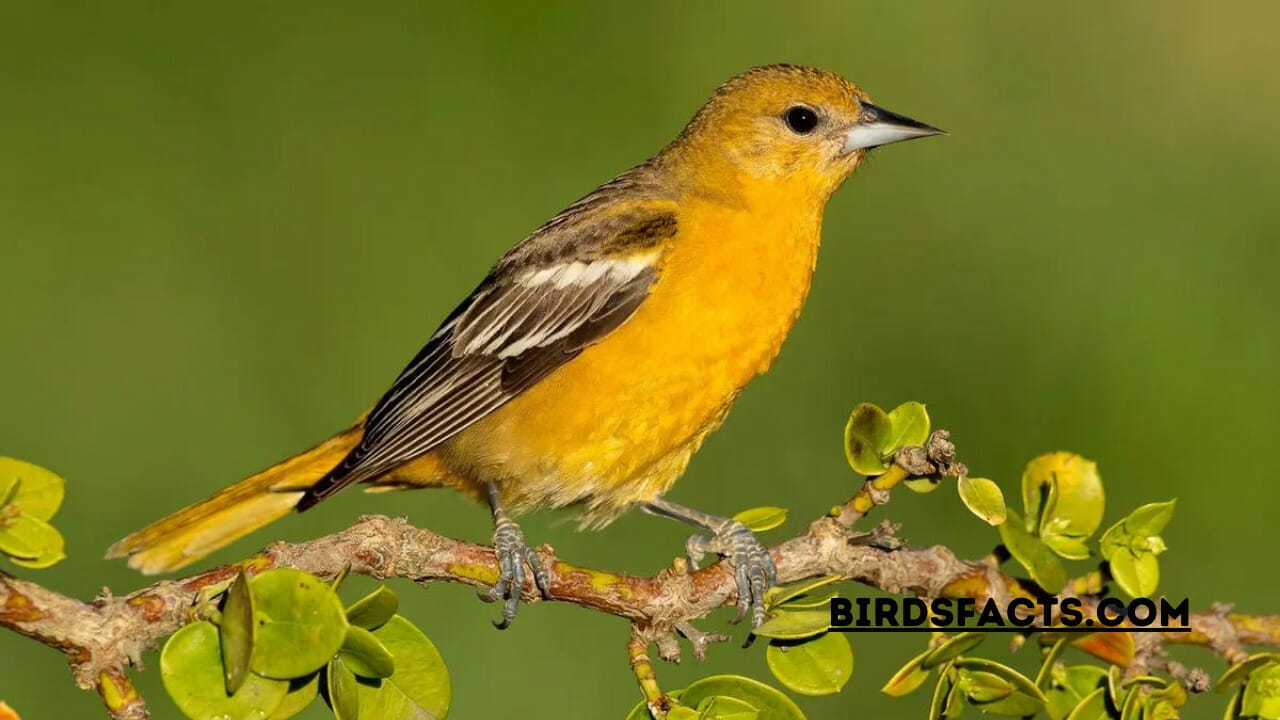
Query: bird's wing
560,291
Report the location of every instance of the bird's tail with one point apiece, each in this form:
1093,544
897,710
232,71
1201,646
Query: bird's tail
232,513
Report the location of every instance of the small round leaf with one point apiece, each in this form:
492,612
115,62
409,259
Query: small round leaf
1136,574
38,493
373,610
1150,519
32,542
419,688
301,623
1043,566
983,498
865,436
1062,495
820,666
768,701
365,654
910,422
191,669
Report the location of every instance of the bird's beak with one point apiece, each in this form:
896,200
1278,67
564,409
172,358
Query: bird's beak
880,127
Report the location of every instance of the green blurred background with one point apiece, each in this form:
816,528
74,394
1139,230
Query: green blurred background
223,231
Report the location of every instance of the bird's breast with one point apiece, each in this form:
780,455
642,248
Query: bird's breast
617,423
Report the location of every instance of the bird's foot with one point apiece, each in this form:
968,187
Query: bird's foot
753,566
513,554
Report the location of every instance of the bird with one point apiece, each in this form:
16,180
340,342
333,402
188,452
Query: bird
597,355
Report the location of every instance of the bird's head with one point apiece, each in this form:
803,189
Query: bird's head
790,125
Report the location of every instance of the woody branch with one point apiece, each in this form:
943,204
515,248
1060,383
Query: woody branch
103,637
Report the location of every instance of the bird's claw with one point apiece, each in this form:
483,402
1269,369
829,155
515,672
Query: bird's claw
753,566
513,554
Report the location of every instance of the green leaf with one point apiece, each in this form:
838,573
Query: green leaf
980,686
722,707
39,491
1024,699
1040,562
301,623
820,666
373,610
983,498
1138,575
419,688
1131,708
954,703
1262,692
1071,687
865,435
908,678
759,519
783,594
1131,547
942,705
952,648
1062,495
1238,673
910,422
302,692
342,690
1092,707
191,669
768,701
365,654
794,625
236,632
1150,519
1115,681
1071,548
32,542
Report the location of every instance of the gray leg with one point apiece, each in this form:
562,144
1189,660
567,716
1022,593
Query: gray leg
753,567
513,552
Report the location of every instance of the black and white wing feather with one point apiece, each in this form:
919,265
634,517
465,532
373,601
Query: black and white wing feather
563,289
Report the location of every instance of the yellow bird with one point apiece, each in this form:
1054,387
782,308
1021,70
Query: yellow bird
597,355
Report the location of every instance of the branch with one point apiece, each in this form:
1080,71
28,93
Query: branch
103,637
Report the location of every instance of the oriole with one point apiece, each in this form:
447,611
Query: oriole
597,355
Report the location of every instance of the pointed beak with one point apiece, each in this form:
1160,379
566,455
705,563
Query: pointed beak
881,127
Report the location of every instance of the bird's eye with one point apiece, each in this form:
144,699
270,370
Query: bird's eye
800,119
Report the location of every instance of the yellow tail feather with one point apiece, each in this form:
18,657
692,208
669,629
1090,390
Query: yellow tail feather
232,513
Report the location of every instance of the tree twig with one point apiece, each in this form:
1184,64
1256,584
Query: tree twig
103,637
